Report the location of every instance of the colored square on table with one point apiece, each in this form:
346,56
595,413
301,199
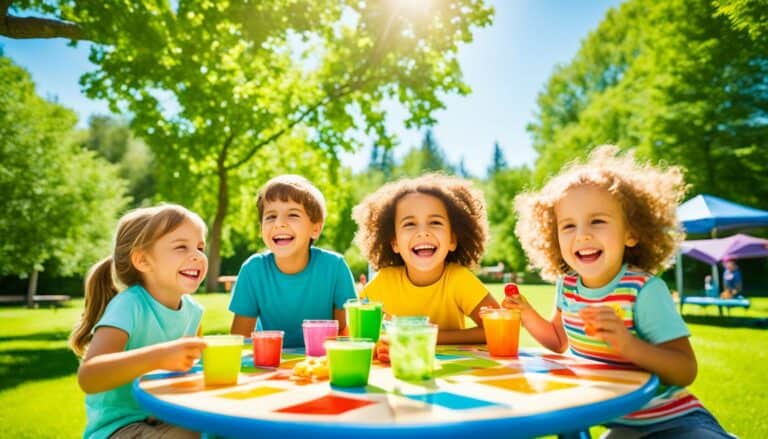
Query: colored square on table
250,369
326,405
440,356
496,371
537,365
477,363
256,392
360,390
525,385
450,369
291,356
451,400
290,363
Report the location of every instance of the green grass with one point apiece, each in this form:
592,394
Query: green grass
41,399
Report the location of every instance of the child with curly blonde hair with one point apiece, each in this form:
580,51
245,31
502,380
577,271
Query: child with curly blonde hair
601,229
422,234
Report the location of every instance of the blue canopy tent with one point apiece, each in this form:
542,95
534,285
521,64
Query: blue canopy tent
709,214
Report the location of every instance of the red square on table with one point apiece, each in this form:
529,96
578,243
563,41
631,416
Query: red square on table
326,405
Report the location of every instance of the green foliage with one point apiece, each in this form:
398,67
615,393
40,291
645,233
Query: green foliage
498,161
210,84
681,81
59,202
500,193
430,157
112,139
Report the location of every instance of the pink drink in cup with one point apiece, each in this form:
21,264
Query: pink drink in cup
267,347
315,334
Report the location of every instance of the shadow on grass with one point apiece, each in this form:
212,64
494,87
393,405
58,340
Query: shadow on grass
37,336
727,321
18,366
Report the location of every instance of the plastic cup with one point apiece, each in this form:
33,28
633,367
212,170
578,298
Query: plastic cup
364,318
502,331
221,359
412,350
267,347
315,334
349,361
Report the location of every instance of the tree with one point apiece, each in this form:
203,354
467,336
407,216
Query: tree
427,158
499,161
682,81
60,203
112,139
501,190
212,83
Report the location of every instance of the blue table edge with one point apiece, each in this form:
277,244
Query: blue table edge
563,420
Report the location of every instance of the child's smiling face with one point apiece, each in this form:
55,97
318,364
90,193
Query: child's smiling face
423,236
592,232
287,229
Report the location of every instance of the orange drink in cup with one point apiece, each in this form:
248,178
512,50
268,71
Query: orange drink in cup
502,331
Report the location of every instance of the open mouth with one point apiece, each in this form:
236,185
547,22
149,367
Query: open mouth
282,239
424,250
190,274
588,255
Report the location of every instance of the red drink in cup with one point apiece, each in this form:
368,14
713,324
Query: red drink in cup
267,347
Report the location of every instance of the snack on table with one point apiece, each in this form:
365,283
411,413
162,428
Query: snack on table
312,368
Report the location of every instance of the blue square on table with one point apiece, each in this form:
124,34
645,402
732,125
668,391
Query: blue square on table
451,400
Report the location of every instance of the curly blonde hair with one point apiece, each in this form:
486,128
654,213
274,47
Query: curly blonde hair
375,218
649,196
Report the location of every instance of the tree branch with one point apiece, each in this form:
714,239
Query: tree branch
35,27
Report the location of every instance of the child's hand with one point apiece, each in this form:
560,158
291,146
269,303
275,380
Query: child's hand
517,301
382,349
606,323
180,355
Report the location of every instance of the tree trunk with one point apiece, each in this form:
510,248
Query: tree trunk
214,254
32,289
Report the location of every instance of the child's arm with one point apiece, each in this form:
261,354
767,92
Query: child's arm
341,316
673,361
468,335
550,333
243,325
107,365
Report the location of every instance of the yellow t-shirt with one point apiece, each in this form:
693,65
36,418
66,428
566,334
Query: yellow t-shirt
445,302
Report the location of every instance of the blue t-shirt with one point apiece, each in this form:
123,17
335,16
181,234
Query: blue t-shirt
282,301
655,316
147,322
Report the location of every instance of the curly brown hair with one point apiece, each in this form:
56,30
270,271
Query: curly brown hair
648,194
375,218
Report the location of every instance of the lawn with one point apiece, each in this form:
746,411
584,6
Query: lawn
39,391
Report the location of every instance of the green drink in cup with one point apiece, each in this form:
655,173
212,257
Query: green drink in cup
349,361
412,350
364,318
221,359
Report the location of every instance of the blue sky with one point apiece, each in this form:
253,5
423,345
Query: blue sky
506,66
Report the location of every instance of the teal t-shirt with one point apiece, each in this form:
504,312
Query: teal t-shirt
147,322
655,316
282,301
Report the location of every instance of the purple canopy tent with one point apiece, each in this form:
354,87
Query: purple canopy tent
713,251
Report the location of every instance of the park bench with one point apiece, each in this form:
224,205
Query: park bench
714,301
55,300
227,280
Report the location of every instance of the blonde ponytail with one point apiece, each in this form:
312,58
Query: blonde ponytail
99,290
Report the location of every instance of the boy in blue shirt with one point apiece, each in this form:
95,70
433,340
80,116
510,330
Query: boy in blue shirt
292,281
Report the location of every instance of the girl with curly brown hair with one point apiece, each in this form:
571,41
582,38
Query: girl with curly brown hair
423,234
601,229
